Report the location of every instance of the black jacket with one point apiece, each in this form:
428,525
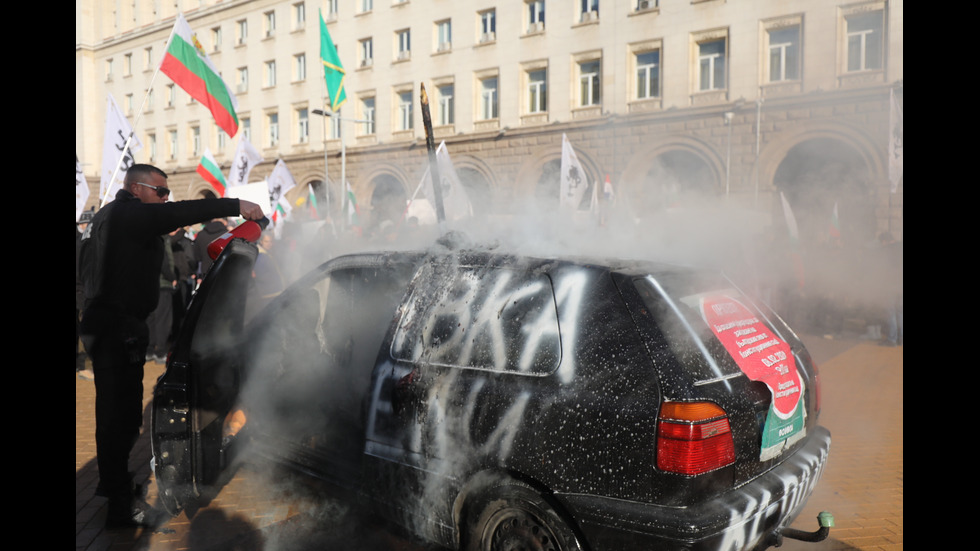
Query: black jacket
131,235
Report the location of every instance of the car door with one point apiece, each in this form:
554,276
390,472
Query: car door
200,385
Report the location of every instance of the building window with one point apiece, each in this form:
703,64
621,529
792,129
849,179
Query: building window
303,125
222,138
488,26
299,67
128,65
366,5
537,91
171,95
332,9
589,82
149,100
242,31
711,65
195,141
272,122
403,39
784,53
152,141
334,130
488,98
444,36
865,44
270,24
246,128
128,104
242,81
108,69
215,39
447,107
367,52
405,105
642,5
299,15
172,136
589,10
648,74
148,58
535,16
367,113
270,73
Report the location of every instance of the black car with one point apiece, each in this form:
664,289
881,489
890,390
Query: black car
485,400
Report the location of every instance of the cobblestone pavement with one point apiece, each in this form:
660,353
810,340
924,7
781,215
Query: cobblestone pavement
862,485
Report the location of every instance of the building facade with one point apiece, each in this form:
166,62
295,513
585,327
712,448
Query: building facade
674,101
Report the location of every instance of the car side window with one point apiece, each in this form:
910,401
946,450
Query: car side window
484,318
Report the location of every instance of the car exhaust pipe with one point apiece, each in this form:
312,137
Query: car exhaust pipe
826,521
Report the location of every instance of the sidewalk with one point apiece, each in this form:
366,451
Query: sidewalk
863,484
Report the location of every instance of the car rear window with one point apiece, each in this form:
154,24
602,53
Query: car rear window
493,319
676,302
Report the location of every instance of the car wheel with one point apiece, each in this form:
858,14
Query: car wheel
513,517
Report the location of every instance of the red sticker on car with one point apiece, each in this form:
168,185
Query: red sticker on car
757,351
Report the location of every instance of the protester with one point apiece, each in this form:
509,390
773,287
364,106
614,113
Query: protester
120,266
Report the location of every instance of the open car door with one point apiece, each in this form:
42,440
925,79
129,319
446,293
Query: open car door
198,389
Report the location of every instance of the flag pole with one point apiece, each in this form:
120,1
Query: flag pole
139,117
433,162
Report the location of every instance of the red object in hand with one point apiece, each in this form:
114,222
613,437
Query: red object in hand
250,231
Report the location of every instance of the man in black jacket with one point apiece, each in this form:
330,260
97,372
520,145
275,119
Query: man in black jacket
122,287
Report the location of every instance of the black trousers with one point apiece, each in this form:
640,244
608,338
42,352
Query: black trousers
117,345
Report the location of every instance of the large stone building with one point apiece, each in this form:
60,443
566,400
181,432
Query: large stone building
676,101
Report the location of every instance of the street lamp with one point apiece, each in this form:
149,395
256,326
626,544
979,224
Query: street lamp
343,155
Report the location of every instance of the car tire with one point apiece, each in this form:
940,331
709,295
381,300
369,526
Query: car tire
513,516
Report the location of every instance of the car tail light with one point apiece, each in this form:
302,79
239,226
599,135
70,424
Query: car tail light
693,438
234,422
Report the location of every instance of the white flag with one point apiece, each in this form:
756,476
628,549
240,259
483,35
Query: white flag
280,181
81,190
573,182
117,130
246,157
896,144
794,232
455,202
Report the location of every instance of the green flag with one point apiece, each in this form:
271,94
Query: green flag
333,71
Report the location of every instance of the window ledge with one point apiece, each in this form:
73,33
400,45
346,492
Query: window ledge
403,135
444,130
645,104
862,78
486,125
781,88
534,118
587,112
709,97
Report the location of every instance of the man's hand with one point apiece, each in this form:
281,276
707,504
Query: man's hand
250,211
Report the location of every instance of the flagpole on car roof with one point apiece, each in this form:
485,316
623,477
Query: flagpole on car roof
433,162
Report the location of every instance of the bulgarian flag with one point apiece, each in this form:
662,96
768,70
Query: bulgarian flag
314,212
210,171
351,207
189,67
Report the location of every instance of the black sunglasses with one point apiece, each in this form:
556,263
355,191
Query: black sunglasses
161,191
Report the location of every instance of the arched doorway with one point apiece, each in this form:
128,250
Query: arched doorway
819,175
677,178
548,185
477,190
387,200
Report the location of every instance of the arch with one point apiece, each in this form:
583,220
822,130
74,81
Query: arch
672,171
539,177
479,182
388,197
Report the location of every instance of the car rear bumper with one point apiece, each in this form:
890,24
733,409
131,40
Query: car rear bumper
739,519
